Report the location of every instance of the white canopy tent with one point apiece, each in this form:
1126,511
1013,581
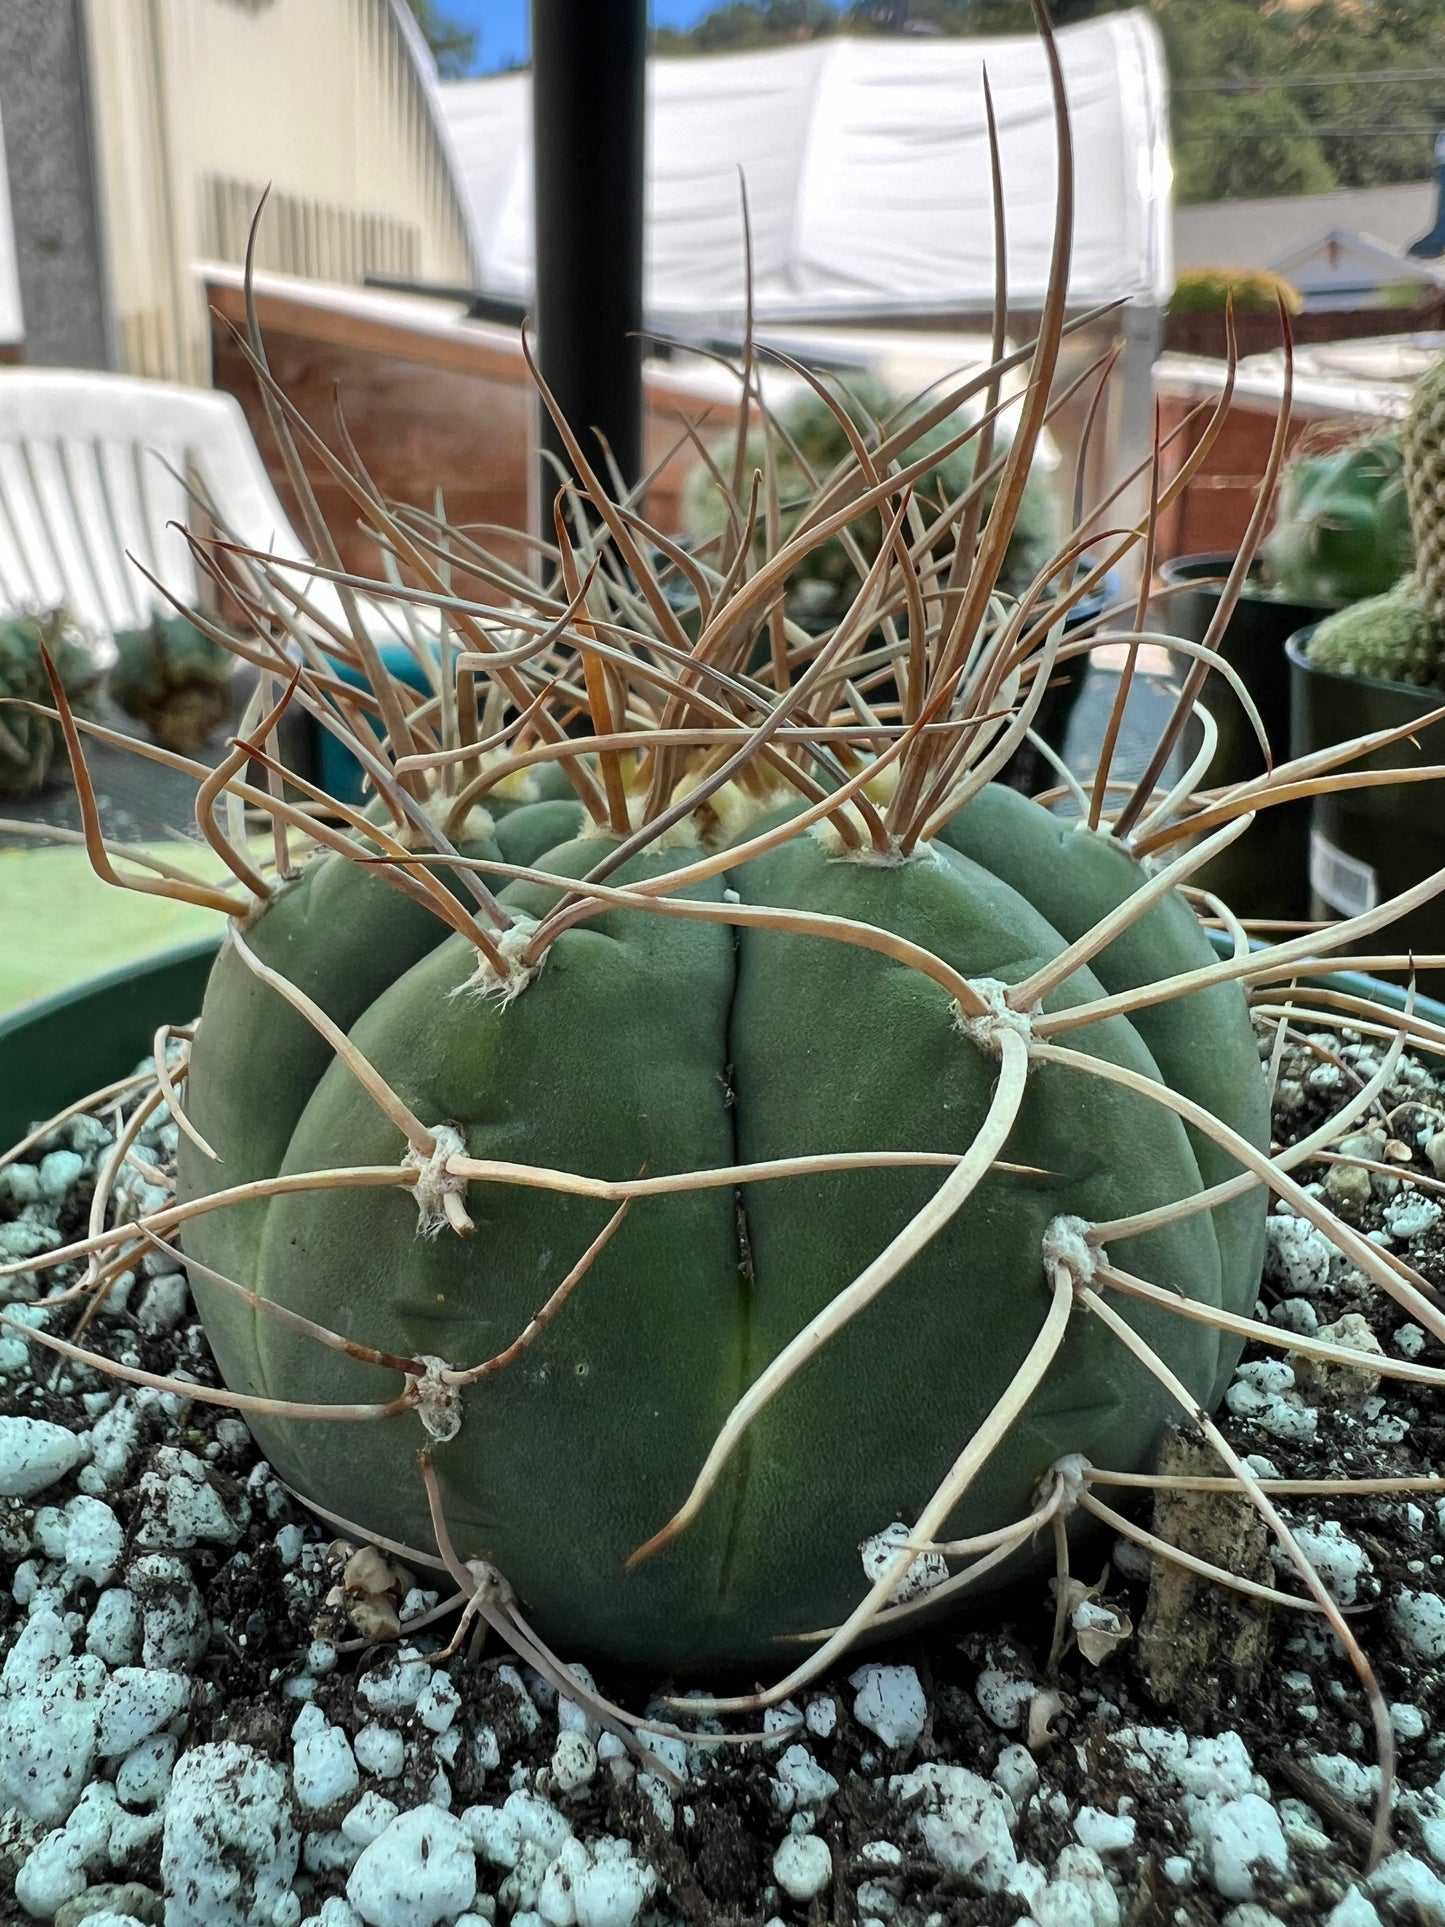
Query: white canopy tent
868,176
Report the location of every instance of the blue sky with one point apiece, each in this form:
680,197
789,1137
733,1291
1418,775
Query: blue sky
502,24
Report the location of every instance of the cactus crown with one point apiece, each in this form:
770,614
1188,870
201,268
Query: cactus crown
743,785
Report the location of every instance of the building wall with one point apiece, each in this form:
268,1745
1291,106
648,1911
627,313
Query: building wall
201,105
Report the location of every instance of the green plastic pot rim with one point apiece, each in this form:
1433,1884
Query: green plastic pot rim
61,1000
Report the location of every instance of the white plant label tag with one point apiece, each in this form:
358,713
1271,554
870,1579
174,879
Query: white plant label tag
1345,883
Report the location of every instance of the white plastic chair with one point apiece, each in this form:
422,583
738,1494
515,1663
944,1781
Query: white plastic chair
94,468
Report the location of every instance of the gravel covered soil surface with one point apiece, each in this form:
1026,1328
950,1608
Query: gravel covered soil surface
214,1713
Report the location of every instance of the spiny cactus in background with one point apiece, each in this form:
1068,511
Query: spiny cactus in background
174,679
1212,290
694,1158
32,748
1342,531
1400,636
813,443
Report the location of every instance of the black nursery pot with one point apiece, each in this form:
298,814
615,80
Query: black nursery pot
1264,873
1028,769
1367,845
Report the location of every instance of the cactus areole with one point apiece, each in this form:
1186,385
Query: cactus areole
649,1045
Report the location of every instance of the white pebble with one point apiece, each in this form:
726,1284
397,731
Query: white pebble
49,1709
164,1304
34,1454
821,1717
1003,1698
1245,1835
176,1628
1104,1832
53,1873
438,1703
181,1507
1411,1217
380,1751
230,1849
59,1171
1337,1559
801,1781
398,1685
144,1774
137,1701
890,1703
323,1769
596,1885
1416,1891
1355,1910
927,1569
369,1819
963,1820
1420,1619
574,1761
421,1871
1018,1774
803,1866
1297,1256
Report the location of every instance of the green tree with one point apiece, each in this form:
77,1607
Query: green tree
453,47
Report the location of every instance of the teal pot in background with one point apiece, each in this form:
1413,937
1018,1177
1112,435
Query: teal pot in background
1266,873
338,771
1367,845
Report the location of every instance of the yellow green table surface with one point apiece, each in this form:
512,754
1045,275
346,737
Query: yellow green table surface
59,923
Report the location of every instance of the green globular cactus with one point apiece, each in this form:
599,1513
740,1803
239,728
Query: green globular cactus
1342,532
823,584
651,1045
32,747
175,679
1248,290
1400,636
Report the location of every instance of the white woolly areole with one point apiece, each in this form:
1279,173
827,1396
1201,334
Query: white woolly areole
479,824
433,1181
485,980
438,1405
1065,1482
986,1031
1066,1243
826,832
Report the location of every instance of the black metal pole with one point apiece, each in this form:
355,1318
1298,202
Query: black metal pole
588,101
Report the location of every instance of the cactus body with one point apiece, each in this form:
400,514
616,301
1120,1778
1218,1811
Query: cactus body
32,748
1343,528
1422,441
1389,636
1400,636
667,1046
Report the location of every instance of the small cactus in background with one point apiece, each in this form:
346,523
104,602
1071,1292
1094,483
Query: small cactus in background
32,748
1212,290
813,444
175,680
1342,531
1400,636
